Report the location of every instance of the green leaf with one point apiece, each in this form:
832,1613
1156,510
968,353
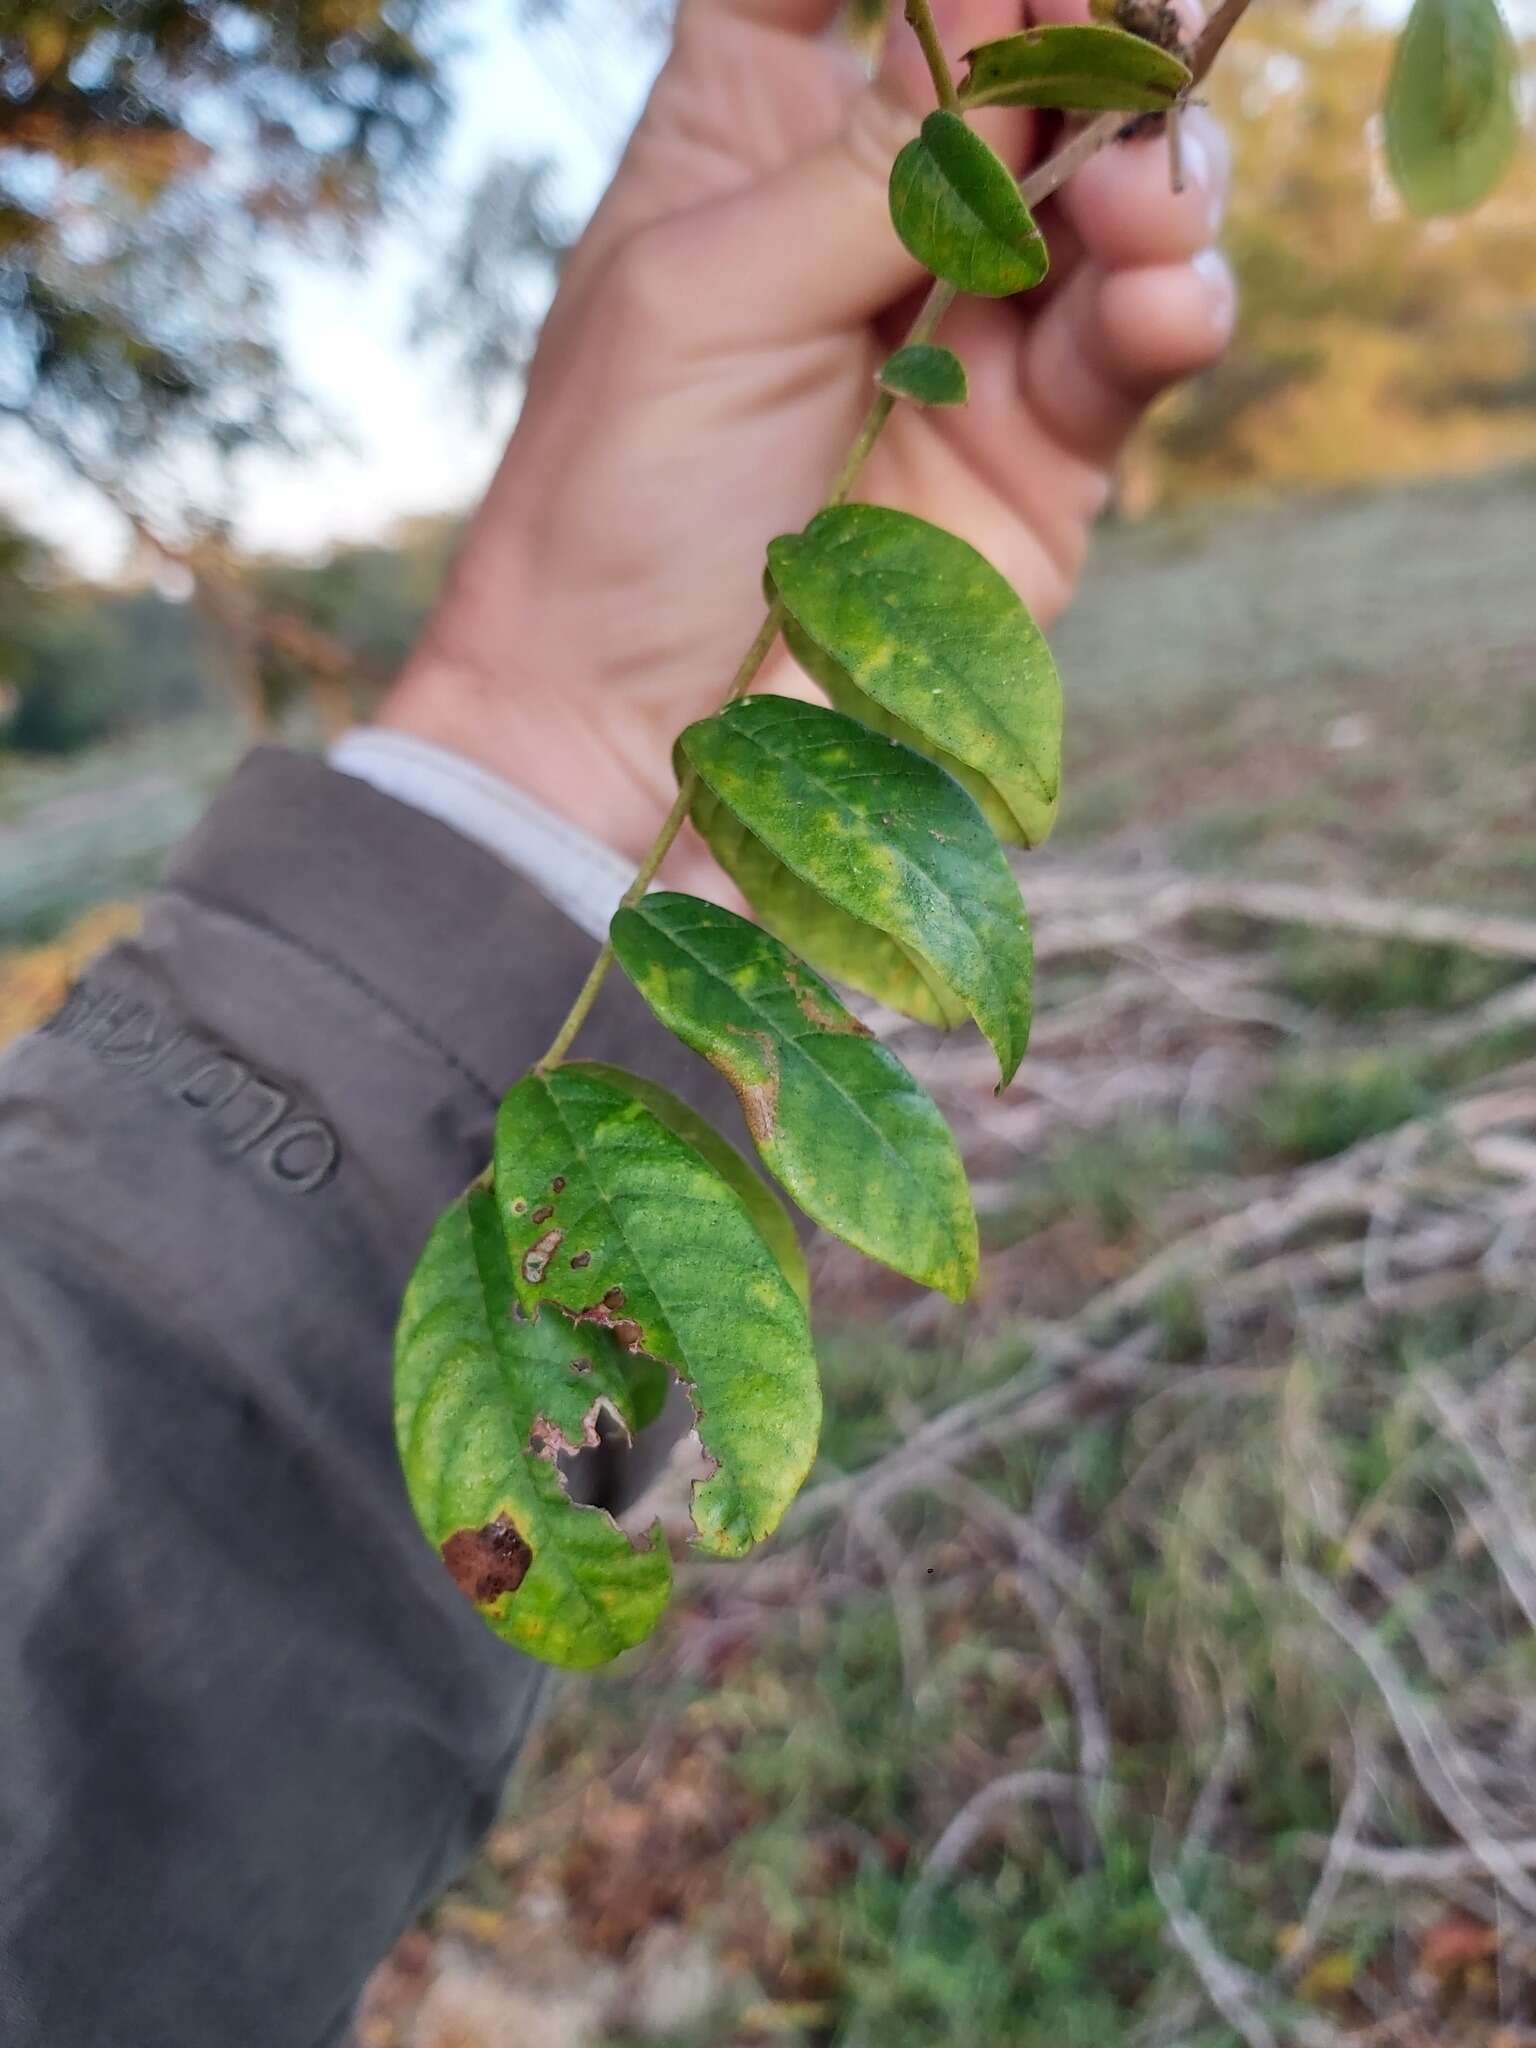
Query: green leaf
869,859
912,631
836,1117
1078,68
925,374
483,1404
766,1211
613,1219
956,207
1451,117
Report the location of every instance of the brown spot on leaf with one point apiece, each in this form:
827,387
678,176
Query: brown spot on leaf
580,1259
485,1563
760,1107
557,1185
759,1099
814,1011
605,1314
542,1214
537,1257
581,1365
517,1205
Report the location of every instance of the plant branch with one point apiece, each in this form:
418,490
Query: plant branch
1038,185
746,674
920,21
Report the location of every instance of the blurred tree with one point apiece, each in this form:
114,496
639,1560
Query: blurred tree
338,628
489,299
23,563
146,147
1370,344
77,663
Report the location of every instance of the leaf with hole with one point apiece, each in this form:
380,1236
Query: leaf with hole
925,375
1451,120
613,1219
836,1117
869,859
957,208
1077,68
484,1402
911,630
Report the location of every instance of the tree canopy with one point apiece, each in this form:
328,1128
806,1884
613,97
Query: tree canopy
146,149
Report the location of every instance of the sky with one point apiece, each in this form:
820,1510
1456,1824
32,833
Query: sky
413,442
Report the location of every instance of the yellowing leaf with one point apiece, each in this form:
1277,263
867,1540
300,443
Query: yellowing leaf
613,1220
1076,67
869,859
484,1401
911,630
835,1116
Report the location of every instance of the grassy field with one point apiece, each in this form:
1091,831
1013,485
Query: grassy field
1149,1663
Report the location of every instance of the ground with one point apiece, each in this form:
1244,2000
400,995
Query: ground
1149,1659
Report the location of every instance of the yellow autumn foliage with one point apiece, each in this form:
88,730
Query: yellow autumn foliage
34,980
1371,345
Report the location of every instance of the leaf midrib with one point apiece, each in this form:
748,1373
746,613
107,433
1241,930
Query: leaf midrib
955,678
814,777
796,1039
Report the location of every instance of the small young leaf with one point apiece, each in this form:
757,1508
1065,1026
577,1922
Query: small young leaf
925,374
1451,119
837,1118
483,1403
1081,69
759,1201
956,207
909,629
869,859
612,1219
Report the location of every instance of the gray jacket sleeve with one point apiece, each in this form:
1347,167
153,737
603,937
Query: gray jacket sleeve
249,1726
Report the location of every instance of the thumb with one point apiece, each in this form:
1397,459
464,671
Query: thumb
810,249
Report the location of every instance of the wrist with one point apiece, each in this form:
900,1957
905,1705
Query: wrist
548,738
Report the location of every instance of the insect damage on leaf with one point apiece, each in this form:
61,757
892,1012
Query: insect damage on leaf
486,1402
548,1440
626,1333
485,1563
537,1257
653,1211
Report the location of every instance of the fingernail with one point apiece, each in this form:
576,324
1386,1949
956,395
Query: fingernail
1200,167
1195,155
1215,273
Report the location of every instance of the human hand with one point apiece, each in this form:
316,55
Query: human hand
707,360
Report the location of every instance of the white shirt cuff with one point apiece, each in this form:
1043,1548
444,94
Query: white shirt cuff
579,874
